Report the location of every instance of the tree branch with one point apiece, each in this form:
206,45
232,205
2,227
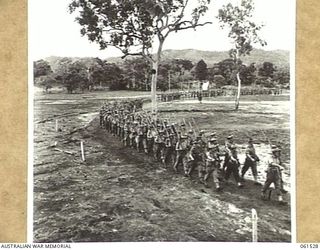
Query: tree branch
192,26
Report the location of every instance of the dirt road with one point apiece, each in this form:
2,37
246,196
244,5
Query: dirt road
118,194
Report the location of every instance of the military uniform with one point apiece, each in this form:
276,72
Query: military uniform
150,138
213,164
232,165
274,174
181,150
228,144
194,158
168,149
250,161
158,145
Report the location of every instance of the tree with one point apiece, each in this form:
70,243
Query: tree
242,31
113,76
227,69
247,74
201,70
45,81
94,69
60,69
137,27
76,77
219,80
41,68
72,75
136,72
267,69
282,76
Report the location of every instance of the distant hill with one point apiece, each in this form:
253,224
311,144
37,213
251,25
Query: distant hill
279,58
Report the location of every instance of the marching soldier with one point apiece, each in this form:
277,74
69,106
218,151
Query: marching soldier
168,149
151,134
213,164
126,130
228,144
133,134
101,115
158,145
274,174
139,137
190,138
201,139
181,150
232,165
144,138
194,159
251,161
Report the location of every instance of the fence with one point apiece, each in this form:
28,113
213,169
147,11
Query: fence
167,97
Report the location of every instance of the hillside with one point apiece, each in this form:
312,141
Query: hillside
280,58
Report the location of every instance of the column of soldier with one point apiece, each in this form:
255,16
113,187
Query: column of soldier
175,145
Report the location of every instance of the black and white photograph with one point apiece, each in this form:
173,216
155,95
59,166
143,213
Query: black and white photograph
162,121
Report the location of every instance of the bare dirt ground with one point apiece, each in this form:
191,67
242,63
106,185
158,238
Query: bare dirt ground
118,194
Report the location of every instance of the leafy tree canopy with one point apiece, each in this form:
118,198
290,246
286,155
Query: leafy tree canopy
131,25
201,70
41,68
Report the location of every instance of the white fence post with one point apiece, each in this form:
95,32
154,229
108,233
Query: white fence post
82,151
254,225
57,126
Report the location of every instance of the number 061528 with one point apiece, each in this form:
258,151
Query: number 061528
305,246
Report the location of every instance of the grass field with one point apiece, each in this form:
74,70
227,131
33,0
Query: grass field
118,194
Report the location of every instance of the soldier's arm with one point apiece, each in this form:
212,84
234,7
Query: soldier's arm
276,165
209,157
271,163
248,154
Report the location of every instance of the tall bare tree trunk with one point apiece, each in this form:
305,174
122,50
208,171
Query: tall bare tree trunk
155,67
239,91
238,80
154,78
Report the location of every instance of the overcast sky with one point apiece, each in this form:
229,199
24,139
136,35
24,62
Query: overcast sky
53,31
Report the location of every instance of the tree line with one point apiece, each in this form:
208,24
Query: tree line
88,74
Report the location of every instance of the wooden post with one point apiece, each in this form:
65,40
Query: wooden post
82,151
254,225
57,126
169,76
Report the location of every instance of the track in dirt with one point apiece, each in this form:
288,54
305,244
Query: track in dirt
121,195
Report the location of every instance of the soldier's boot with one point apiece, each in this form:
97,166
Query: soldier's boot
175,166
240,185
280,200
263,196
201,176
189,172
283,191
218,187
201,180
256,182
155,155
186,172
163,160
242,177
